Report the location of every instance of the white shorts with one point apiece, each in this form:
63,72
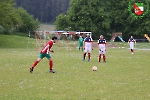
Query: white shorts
88,49
102,51
131,45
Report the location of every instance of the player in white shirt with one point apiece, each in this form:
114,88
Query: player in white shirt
102,48
131,42
88,47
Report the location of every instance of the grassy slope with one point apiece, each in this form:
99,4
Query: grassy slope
48,27
13,41
123,77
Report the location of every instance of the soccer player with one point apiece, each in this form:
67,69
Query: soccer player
88,47
102,48
131,42
45,53
80,41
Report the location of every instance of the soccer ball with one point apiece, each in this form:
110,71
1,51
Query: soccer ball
94,68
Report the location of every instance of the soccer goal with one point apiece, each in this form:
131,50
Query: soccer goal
66,39
83,34
41,38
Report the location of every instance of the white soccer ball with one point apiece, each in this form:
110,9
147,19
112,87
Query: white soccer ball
94,68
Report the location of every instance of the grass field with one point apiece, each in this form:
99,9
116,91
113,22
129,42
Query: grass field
48,27
123,77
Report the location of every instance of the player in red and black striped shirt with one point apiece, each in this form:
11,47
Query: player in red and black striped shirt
45,53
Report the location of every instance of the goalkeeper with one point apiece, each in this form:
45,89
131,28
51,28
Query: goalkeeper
80,43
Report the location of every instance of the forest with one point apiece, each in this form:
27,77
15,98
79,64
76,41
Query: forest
45,10
106,17
98,16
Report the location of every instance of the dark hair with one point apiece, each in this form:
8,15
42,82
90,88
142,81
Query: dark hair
54,38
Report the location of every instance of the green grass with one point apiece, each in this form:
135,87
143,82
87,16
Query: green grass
122,77
48,27
14,41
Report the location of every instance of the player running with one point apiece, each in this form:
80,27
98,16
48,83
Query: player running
102,48
80,41
88,47
131,42
45,53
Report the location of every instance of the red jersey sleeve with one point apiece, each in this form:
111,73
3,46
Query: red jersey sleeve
47,47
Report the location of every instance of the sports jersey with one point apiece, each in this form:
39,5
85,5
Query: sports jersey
88,41
131,40
101,43
80,41
88,44
46,48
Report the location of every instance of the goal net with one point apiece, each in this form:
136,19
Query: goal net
66,38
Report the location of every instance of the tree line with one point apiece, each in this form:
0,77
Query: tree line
98,16
105,17
15,19
45,10
26,15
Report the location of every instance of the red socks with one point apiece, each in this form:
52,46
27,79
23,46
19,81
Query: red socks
104,57
51,64
89,56
99,57
35,63
84,55
132,50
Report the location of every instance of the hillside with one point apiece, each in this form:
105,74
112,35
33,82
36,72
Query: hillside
47,27
45,10
13,41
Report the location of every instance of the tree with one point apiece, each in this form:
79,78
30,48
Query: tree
28,21
86,15
44,10
106,17
122,20
62,22
9,18
16,18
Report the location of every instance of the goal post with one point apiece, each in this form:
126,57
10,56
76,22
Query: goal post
83,34
42,37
